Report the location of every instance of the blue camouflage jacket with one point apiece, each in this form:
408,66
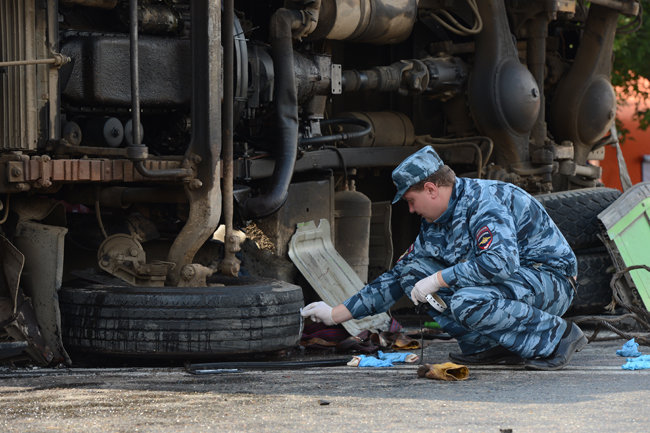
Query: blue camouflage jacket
490,231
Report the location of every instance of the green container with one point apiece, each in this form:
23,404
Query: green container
627,224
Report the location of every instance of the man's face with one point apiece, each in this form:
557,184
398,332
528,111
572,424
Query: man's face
426,203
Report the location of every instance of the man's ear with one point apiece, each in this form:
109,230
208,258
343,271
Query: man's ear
431,189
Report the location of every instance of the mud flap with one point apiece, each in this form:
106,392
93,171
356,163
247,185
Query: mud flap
313,253
42,245
17,315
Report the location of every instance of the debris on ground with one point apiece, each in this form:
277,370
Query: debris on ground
629,349
640,363
383,359
321,337
447,371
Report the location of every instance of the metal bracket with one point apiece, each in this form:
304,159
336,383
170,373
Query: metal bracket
122,256
337,79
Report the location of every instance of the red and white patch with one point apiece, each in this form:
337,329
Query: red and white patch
407,252
484,238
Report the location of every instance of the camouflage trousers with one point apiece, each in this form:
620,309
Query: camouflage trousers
521,314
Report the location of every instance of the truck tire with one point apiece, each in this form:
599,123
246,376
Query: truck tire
250,316
576,213
594,293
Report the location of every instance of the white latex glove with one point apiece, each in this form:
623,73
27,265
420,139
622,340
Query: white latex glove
319,312
422,288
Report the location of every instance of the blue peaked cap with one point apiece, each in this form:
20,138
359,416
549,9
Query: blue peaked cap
414,169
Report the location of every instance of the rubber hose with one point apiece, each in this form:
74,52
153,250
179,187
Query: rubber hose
286,105
342,136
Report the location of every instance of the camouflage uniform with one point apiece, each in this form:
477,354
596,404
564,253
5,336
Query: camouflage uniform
506,262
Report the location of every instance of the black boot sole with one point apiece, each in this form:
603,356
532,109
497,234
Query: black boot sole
539,364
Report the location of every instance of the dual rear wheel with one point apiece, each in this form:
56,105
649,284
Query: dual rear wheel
240,317
576,215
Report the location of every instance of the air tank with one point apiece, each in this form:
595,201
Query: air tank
352,211
389,128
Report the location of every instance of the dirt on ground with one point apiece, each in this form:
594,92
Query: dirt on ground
592,394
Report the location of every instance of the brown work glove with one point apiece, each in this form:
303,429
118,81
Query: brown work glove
446,371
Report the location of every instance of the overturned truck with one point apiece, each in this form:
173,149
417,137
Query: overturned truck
130,130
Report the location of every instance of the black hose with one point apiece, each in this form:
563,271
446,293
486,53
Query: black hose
341,136
286,105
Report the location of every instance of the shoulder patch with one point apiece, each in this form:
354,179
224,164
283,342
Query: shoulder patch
484,238
407,252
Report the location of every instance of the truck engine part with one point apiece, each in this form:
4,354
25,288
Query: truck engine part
128,133
352,228
100,74
387,128
586,87
101,131
340,136
503,96
158,18
369,21
102,4
286,104
230,265
204,148
122,255
439,75
136,151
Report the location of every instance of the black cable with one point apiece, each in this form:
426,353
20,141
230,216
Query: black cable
343,165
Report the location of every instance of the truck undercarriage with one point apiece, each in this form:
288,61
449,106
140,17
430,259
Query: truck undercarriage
130,130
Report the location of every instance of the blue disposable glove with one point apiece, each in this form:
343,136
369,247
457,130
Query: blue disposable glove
385,359
640,363
629,349
371,361
392,357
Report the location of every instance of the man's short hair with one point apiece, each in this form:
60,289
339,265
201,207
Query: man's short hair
444,176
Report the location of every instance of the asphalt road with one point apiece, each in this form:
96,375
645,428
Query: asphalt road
593,394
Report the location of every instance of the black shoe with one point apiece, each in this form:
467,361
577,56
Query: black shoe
495,355
566,348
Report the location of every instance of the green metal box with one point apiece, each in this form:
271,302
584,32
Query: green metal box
627,225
